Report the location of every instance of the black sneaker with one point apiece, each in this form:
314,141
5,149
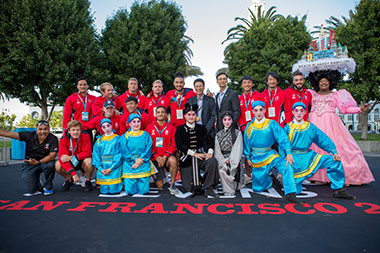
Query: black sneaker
210,192
291,197
66,186
88,186
342,194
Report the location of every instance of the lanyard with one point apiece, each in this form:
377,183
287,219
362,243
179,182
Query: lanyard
84,103
270,96
176,99
162,129
161,96
302,97
137,96
71,144
249,100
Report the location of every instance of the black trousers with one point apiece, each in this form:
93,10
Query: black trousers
31,176
191,178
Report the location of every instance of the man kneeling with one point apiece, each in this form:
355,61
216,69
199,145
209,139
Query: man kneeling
192,140
74,154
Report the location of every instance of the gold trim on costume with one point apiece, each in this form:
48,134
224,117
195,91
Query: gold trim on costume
266,161
310,168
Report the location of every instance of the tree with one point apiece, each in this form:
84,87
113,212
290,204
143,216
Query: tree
260,17
268,47
148,43
28,121
6,121
360,33
45,45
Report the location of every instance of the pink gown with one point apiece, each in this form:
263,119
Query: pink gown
323,115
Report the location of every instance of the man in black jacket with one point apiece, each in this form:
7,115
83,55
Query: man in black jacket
226,100
195,148
206,107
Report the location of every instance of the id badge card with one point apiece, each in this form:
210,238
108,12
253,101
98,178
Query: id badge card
74,161
154,111
85,116
179,114
248,116
271,112
159,142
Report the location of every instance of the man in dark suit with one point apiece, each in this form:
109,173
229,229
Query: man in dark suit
226,100
206,107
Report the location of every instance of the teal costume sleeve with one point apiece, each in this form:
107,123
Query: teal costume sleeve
323,141
281,150
246,148
147,154
96,159
117,157
281,138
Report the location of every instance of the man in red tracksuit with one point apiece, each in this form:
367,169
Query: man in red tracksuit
155,99
164,148
74,153
245,99
132,91
78,106
297,92
177,99
132,107
107,95
276,100
108,112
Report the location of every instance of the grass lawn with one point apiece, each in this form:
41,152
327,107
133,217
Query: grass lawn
371,137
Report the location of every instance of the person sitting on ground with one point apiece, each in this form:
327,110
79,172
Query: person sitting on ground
193,141
136,150
107,160
40,152
75,153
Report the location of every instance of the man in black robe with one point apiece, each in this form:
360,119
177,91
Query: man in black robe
195,148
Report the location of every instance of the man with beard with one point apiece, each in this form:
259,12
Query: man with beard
178,98
297,92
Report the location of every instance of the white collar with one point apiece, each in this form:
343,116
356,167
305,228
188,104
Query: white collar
261,121
298,123
190,125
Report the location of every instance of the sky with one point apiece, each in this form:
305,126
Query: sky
207,24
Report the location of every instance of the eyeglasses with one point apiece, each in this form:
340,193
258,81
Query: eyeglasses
42,122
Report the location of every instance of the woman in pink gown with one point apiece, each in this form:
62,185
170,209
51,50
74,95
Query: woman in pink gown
322,114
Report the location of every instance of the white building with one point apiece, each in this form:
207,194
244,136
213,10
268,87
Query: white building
352,120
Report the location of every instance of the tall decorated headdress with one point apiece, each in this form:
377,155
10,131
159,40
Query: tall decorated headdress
325,54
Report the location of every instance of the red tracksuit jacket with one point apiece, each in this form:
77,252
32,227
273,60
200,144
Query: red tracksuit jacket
82,148
280,102
295,96
246,107
177,102
167,133
74,106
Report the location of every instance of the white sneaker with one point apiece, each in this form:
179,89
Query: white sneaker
32,194
82,181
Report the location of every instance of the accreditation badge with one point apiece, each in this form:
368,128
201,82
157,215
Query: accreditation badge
74,161
179,114
159,142
154,111
84,116
248,116
271,112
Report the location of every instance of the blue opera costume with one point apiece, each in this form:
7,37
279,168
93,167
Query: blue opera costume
306,161
135,145
258,140
106,155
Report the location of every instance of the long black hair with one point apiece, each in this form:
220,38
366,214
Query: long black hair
332,75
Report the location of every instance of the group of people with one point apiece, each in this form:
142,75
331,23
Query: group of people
230,140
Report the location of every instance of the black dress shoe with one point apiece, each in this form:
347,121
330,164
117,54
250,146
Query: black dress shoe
210,192
342,194
291,197
88,186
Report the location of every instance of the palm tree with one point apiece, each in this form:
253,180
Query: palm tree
190,70
238,31
334,23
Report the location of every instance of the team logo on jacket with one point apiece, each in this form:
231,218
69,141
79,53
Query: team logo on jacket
46,146
166,132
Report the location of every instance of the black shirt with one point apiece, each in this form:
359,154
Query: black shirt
35,149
